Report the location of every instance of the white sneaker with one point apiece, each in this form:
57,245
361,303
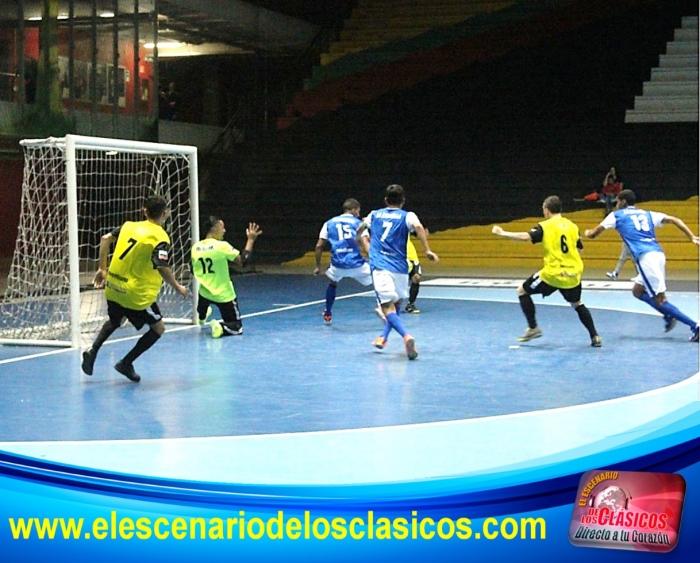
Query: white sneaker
611,275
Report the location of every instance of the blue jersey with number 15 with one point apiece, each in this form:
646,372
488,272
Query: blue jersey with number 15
340,232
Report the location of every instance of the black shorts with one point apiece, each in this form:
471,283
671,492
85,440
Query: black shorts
149,316
535,285
230,313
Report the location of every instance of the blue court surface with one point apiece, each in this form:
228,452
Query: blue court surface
293,400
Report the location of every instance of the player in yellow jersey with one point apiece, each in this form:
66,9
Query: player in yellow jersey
136,271
562,269
210,261
414,274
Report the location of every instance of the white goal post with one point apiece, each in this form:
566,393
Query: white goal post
76,189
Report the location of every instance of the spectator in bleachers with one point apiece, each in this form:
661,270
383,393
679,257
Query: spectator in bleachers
611,187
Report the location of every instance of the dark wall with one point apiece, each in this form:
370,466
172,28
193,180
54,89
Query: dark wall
11,171
485,144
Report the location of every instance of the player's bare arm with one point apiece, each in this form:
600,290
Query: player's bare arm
522,236
683,227
422,235
106,242
593,233
167,275
252,233
318,252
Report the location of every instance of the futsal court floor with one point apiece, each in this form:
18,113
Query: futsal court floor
295,401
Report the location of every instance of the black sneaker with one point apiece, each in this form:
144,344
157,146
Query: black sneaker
127,370
88,361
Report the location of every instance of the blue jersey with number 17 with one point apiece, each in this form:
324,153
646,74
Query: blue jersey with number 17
390,228
636,227
340,232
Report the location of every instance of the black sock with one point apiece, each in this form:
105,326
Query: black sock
585,315
413,293
143,344
528,308
105,332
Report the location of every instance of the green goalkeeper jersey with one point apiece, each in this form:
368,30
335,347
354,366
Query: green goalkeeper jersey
210,258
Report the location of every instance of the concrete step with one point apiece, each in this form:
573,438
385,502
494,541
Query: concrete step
674,74
679,61
686,34
667,116
689,22
476,246
682,48
664,103
677,88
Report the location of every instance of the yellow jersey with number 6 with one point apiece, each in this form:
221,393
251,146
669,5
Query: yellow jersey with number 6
133,279
562,262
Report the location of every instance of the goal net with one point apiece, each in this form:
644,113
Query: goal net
76,189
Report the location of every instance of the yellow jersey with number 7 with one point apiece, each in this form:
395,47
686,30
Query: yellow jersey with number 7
133,279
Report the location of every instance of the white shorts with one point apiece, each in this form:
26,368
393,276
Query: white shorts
360,274
390,286
652,272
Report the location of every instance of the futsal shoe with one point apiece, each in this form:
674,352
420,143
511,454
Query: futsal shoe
379,342
669,323
611,275
530,333
596,341
696,332
411,308
88,361
410,343
327,317
205,320
127,370
216,329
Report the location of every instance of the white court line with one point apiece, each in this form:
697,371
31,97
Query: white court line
181,328
487,282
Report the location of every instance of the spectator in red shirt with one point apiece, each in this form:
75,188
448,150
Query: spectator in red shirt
611,187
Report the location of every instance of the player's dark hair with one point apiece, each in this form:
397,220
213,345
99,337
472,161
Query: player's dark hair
351,204
209,223
154,206
553,203
627,196
394,195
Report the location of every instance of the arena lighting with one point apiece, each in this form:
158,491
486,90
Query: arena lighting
107,15
62,16
34,19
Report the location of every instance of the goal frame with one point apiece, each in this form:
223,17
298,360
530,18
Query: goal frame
73,143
